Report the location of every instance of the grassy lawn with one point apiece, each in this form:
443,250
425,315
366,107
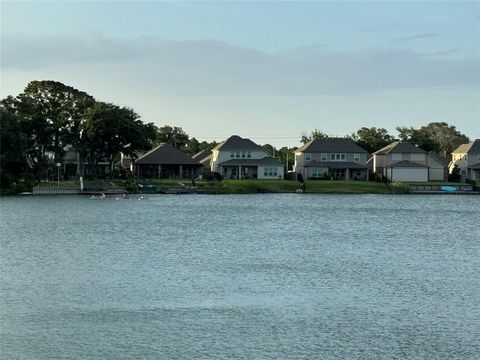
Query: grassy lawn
245,186
287,186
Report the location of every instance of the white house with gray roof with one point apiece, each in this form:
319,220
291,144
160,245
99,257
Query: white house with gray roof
402,161
240,158
337,158
467,158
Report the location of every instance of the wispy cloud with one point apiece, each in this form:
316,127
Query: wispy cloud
216,68
415,37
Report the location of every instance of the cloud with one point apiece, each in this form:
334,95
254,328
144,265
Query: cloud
442,53
415,37
208,67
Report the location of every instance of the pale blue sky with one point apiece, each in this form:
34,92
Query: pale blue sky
268,70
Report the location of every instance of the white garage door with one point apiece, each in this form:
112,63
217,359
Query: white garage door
409,174
436,174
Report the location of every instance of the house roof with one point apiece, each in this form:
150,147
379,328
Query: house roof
236,142
165,154
335,164
475,166
438,158
472,147
331,145
202,155
399,147
252,162
206,161
406,164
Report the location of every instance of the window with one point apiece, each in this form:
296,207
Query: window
232,154
308,156
243,154
237,154
338,157
323,157
356,157
249,154
270,171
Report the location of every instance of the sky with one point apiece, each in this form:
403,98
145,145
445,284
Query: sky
265,70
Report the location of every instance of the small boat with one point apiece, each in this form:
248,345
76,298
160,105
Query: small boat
448,188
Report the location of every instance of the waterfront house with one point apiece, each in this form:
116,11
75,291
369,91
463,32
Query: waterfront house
165,161
467,158
331,158
402,161
72,166
240,158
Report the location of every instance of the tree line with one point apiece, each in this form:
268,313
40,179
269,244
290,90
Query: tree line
38,125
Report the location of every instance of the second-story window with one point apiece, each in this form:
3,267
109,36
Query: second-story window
324,157
356,157
237,154
249,154
243,154
232,154
308,156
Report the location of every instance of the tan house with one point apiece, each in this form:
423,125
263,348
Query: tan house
239,158
402,161
467,158
337,158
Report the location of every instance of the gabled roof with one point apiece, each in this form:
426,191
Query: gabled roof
252,162
406,164
331,145
399,147
438,158
202,155
475,166
470,148
236,142
165,154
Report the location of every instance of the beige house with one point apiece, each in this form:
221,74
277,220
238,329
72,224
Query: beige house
467,158
402,161
239,158
337,158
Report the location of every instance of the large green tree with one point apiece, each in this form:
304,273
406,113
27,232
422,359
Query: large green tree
314,134
437,136
110,129
372,139
172,135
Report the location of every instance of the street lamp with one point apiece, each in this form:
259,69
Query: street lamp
58,174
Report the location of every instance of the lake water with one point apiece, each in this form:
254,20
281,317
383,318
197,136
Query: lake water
241,277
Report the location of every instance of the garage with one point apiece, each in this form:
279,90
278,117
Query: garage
407,171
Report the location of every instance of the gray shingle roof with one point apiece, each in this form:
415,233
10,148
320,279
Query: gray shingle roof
335,164
165,154
406,164
399,147
236,142
331,145
470,148
252,162
475,166
202,155
438,158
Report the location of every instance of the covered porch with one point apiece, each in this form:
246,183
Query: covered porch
167,171
239,171
337,171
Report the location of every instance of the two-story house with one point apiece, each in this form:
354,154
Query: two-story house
402,161
467,158
337,158
239,158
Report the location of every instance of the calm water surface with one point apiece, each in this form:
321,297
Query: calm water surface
240,277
